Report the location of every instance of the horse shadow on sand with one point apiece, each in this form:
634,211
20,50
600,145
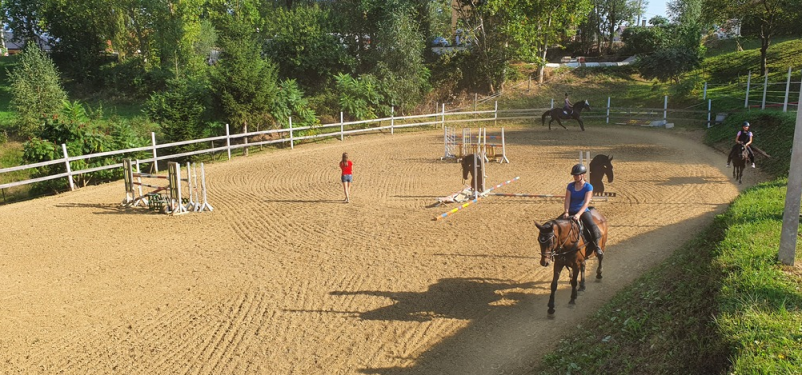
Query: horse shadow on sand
457,298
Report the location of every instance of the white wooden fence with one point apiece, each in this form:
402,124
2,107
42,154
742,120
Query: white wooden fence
290,136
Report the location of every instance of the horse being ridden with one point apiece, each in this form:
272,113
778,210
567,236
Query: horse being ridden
558,114
600,166
473,164
739,156
562,242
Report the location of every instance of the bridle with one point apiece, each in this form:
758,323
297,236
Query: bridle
554,248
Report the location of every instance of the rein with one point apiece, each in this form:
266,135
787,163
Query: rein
557,247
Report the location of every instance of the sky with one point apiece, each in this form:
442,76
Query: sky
655,8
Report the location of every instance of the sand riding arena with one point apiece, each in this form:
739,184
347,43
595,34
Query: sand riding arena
284,278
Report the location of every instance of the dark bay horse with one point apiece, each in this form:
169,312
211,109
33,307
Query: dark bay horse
557,114
472,163
561,242
600,166
740,156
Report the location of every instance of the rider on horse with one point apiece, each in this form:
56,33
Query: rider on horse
744,137
567,107
577,198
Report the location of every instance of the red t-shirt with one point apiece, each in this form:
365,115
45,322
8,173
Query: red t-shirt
346,167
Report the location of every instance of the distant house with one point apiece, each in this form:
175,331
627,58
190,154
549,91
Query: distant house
14,45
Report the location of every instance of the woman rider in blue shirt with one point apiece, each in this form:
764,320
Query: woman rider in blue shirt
577,198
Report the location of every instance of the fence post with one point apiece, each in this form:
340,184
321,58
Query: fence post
765,87
67,164
790,227
787,90
292,142
704,93
443,115
228,142
748,82
475,99
155,158
392,119
342,127
665,107
495,116
709,108
608,109
552,103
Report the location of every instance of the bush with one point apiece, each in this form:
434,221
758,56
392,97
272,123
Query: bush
36,90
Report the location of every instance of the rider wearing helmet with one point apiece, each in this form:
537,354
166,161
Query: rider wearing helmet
577,198
744,137
567,107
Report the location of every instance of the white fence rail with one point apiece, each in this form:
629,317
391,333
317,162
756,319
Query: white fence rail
290,136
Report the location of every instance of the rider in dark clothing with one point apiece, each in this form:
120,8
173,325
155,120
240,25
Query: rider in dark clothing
567,107
744,137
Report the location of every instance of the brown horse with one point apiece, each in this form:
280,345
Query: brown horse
562,242
557,114
740,157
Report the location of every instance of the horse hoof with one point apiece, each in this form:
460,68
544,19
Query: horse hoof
581,289
572,302
551,311
598,276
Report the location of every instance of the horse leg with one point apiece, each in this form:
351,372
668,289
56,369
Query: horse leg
554,288
599,268
581,124
561,123
574,273
582,277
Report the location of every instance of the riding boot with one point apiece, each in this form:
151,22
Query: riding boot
594,242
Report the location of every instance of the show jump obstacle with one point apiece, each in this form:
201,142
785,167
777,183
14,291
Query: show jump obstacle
174,203
475,199
474,144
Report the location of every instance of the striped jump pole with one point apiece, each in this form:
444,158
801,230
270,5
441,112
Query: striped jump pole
528,195
466,204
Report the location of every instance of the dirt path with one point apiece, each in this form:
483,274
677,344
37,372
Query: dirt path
284,278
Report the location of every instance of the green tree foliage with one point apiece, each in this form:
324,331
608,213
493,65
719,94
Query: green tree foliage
404,77
74,129
181,110
359,98
766,16
305,47
290,102
36,90
603,21
669,64
245,84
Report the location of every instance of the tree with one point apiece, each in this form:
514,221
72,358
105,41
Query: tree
606,17
669,64
245,83
767,14
36,91
305,48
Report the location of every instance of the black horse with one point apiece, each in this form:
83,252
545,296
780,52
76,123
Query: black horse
740,156
600,165
557,114
472,163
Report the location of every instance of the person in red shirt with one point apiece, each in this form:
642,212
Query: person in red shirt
347,176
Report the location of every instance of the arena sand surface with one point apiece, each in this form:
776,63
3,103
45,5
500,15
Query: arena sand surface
284,278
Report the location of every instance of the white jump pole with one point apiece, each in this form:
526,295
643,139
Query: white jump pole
155,158
392,119
503,148
228,142
787,90
608,109
292,141
443,115
67,165
765,88
205,204
342,127
665,107
748,82
709,104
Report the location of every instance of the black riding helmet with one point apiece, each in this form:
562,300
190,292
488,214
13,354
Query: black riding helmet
746,124
578,169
